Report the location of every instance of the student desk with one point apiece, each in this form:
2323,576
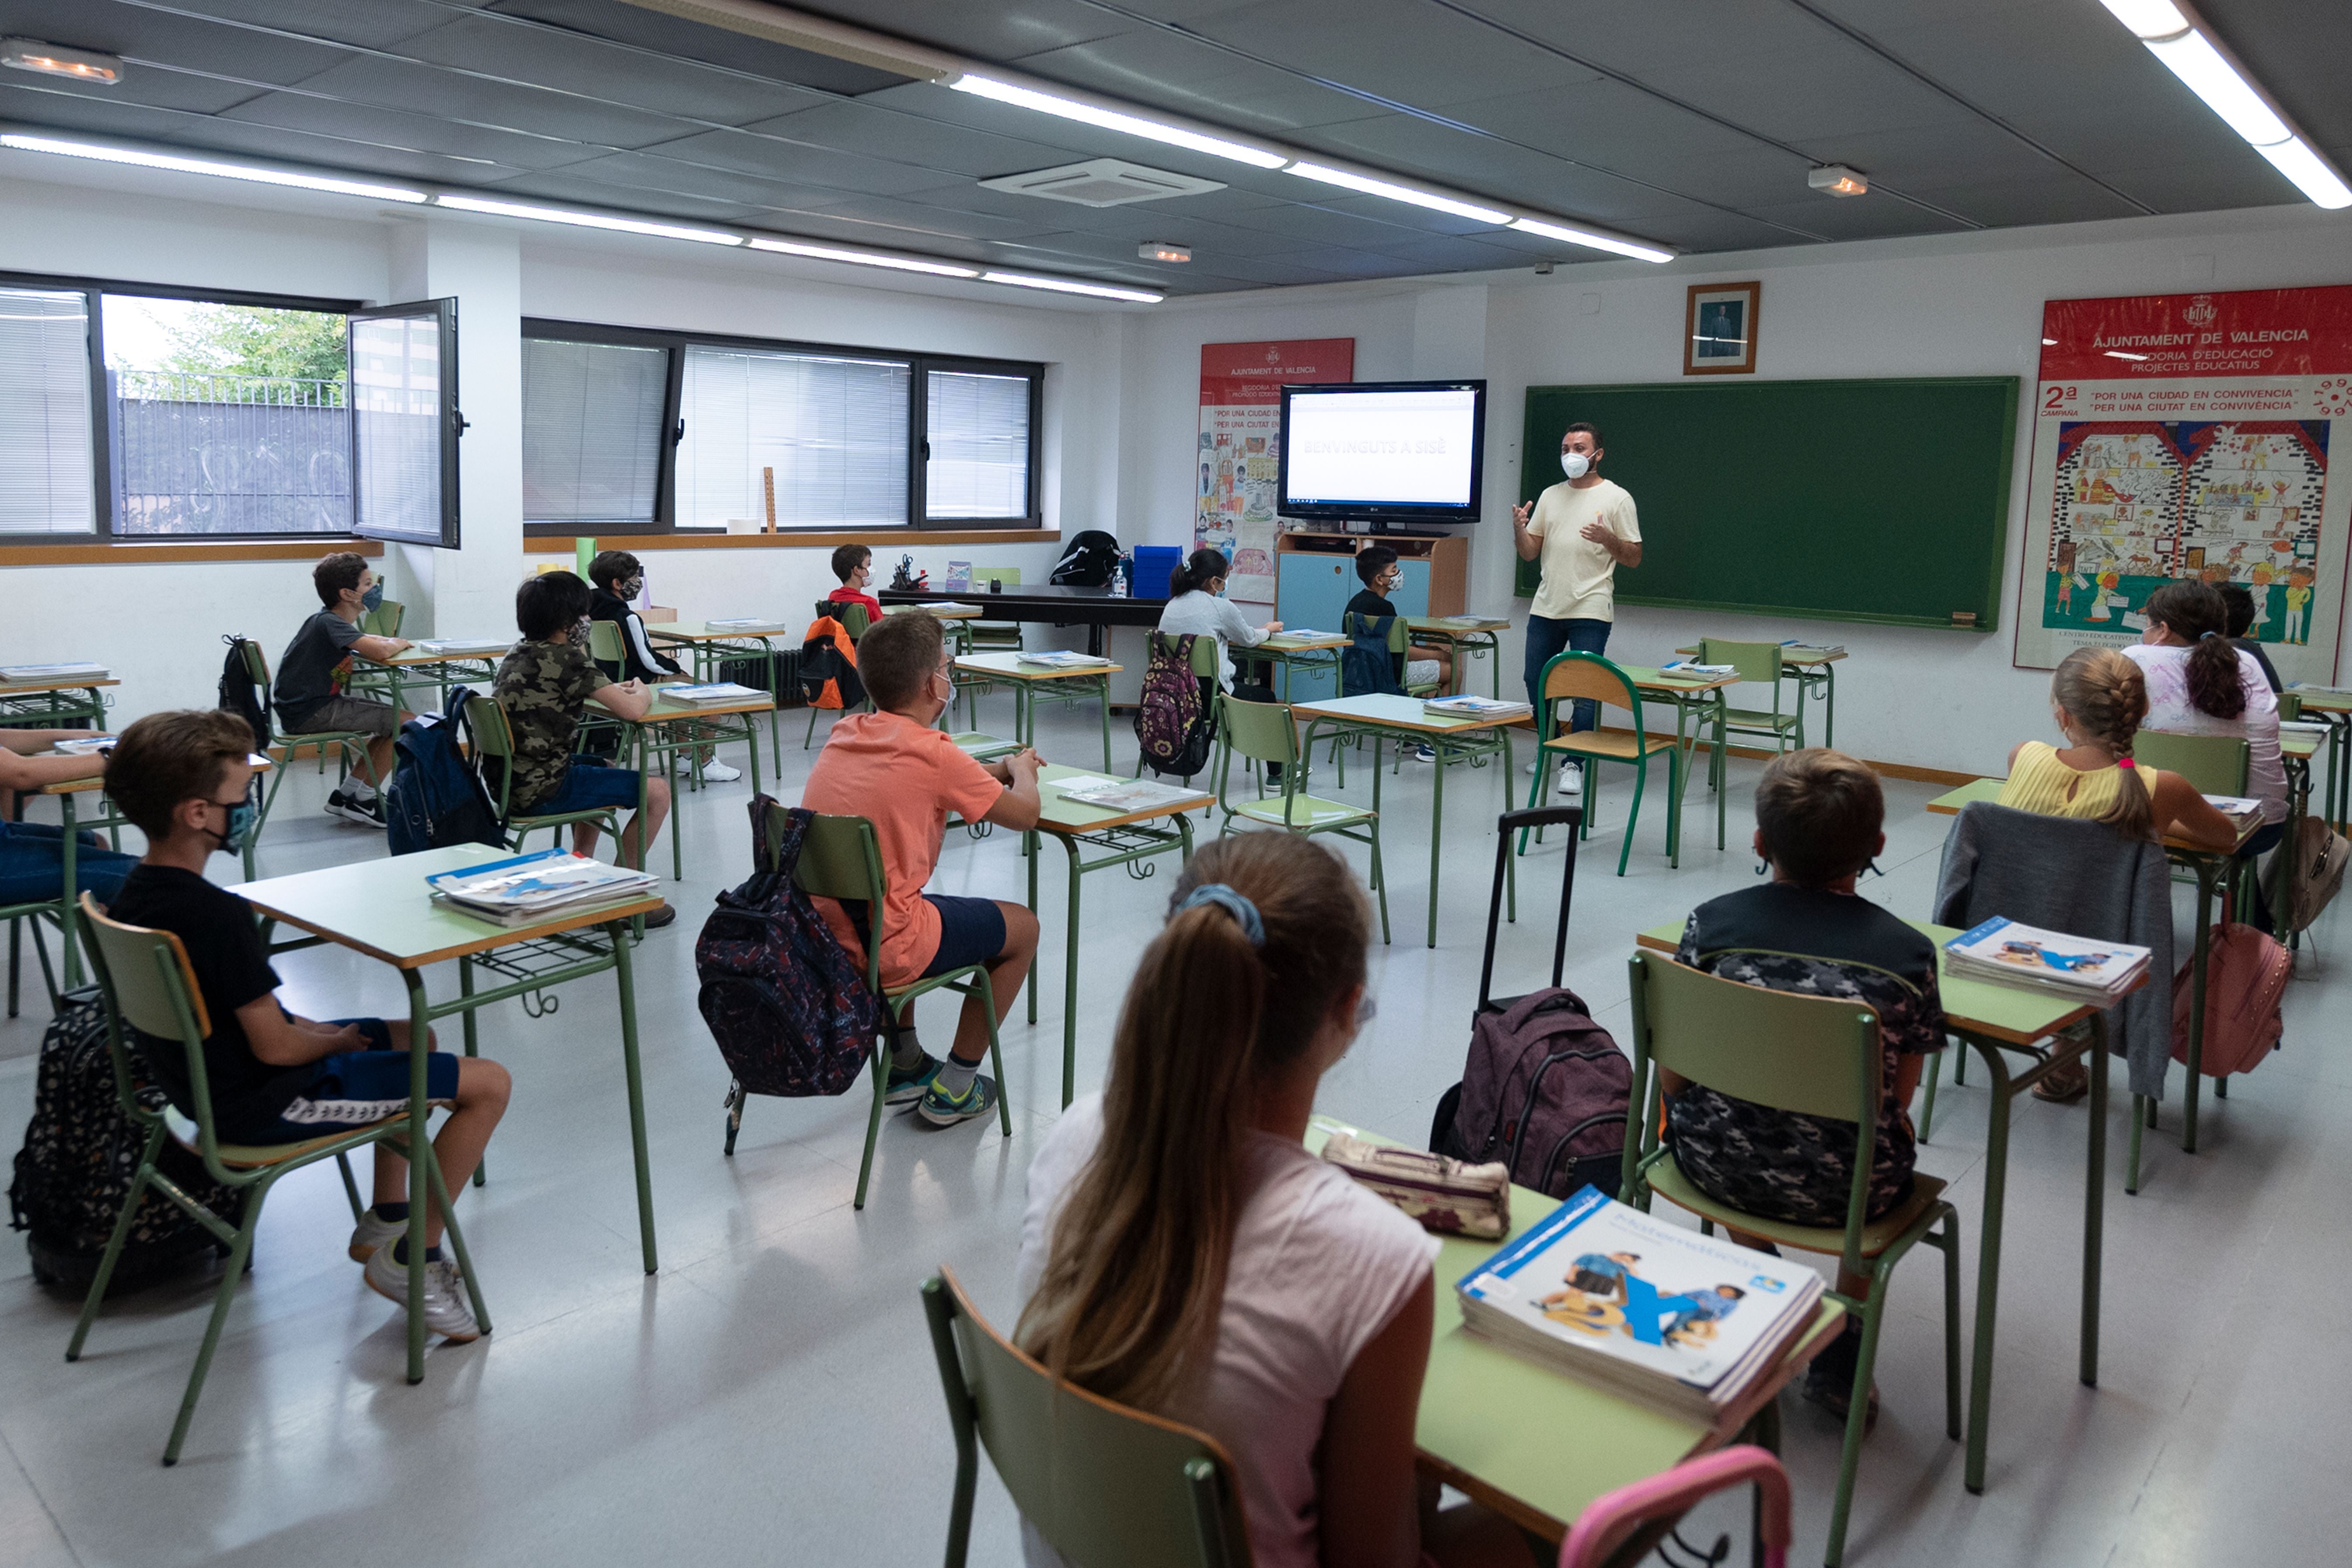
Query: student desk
1319,651
1068,685
1809,667
1537,1445
382,909
1051,603
2333,709
1473,636
50,703
1405,719
657,735
955,617
711,645
1127,838
2208,865
1993,1019
1699,697
423,668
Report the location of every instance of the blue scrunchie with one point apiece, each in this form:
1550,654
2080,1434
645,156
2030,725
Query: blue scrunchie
1245,913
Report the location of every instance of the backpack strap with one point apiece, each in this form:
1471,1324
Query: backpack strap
777,831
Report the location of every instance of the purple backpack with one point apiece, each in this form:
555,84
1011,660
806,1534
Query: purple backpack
1173,725
1545,1092
785,1000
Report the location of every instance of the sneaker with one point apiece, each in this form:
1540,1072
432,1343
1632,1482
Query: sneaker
907,1084
1829,1381
943,1110
1424,754
1571,779
1532,769
715,772
2065,1086
367,814
447,1311
372,1233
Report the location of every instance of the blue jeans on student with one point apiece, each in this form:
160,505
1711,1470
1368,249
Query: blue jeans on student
31,867
2265,839
1546,639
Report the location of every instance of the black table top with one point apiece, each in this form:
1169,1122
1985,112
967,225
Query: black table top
1056,603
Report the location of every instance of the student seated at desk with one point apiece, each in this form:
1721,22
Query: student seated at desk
2238,600
31,867
1377,569
317,665
543,686
615,578
274,1078
1197,607
897,769
1182,1253
1818,814
854,564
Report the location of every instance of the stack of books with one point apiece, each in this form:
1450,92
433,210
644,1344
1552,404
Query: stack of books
1665,1317
2238,808
463,644
1800,646
1129,795
1484,709
536,886
714,692
749,623
1692,667
2009,953
25,672
1062,659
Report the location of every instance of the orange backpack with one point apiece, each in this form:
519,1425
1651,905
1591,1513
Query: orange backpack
828,673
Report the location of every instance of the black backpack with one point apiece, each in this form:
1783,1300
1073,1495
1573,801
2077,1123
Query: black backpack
1089,562
241,695
81,1153
434,798
1174,724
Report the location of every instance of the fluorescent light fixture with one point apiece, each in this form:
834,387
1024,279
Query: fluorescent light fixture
1394,193
1837,180
2148,18
2193,57
2118,353
585,220
1586,238
77,65
864,257
1113,120
206,166
1067,286
2310,172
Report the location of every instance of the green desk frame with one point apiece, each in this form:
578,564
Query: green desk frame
710,652
34,706
1705,700
1070,686
1482,641
657,735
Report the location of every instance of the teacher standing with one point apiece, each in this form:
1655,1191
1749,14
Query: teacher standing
1581,529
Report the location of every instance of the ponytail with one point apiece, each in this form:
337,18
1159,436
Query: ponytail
2198,614
2106,695
1198,569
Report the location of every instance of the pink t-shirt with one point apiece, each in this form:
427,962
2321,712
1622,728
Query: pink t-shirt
2168,708
1320,1266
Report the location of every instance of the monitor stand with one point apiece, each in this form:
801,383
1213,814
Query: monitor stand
1392,532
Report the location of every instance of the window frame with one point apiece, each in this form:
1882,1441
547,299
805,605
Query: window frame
103,476
919,365
442,312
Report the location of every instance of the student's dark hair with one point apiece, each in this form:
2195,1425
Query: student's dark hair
549,602
1371,561
2238,604
848,558
1592,430
897,655
166,758
1135,1278
2194,612
1199,570
2105,694
613,566
1818,813
336,572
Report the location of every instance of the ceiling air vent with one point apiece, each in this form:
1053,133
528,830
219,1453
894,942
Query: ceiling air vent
1104,183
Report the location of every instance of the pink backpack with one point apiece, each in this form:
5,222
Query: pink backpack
2245,977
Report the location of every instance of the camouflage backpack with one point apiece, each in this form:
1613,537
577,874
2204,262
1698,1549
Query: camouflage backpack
1172,724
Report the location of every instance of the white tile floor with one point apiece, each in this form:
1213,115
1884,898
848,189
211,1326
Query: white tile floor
769,1395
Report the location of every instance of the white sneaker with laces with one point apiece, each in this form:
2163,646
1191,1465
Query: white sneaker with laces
372,1233
1571,779
715,772
447,1311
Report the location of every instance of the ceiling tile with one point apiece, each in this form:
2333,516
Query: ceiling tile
396,128
624,78
154,89
372,82
567,188
913,218
119,29
1001,30
875,129
1186,77
755,149
1858,217
693,41
1405,50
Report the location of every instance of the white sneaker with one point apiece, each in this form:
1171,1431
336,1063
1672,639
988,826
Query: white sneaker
446,1312
372,1233
1571,779
1531,769
368,814
715,772
1424,754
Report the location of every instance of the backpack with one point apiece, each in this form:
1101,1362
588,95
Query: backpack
828,672
1173,725
1089,562
1366,664
2246,973
1544,1091
81,1153
785,1001
2316,872
239,694
434,798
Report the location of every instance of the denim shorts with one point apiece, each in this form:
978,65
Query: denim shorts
335,1094
590,784
971,931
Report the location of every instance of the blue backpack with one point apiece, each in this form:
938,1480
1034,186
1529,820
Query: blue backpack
434,797
1366,664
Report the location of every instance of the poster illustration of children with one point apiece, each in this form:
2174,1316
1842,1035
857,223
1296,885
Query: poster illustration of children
2299,579
2262,576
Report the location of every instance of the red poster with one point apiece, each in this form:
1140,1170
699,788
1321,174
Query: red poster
1238,463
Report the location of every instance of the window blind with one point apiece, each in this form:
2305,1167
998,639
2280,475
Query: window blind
47,481
833,430
978,429
591,430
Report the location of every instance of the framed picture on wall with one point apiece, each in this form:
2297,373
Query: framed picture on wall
1719,329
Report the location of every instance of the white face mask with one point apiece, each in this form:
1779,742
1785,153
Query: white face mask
1576,465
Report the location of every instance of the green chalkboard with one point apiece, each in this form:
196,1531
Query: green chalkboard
1844,501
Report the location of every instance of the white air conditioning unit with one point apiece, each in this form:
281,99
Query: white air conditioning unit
1104,183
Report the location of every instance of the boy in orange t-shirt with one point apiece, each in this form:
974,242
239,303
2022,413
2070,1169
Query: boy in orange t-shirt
894,768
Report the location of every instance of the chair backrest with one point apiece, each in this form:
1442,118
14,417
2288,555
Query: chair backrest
1749,660
1204,653
147,985
2290,706
383,621
840,858
1357,625
604,642
256,663
1586,675
1609,1518
1106,1485
854,618
1263,730
1819,1055
2213,765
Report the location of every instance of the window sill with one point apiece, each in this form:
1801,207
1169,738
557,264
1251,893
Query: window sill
881,539
178,551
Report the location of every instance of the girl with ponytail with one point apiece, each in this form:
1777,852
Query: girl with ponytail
1197,607
2099,699
1183,1253
2201,683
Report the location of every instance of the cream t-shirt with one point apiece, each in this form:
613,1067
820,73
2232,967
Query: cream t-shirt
1580,577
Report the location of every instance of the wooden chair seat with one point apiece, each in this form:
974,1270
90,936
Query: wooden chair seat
257,1156
1618,745
1303,809
1760,720
1666,1179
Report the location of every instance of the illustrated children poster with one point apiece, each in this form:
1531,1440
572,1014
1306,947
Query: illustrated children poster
2189,436
1239,456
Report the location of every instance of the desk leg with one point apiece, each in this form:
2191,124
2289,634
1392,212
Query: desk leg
619,933
1723,784
473,1046
1988,1267
1069,975
68,846
419,1146
1436,824
2095,1191
1029,850
1511,862
752,748
1103,693
1829,705
2207,873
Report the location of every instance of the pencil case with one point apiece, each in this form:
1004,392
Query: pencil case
1450,1196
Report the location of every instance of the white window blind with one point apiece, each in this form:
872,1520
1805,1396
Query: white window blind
47,481
592,415
978,429
396,391
832,431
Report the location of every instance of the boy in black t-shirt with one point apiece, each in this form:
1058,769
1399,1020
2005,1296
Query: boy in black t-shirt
316,668
615,578
181,778
1377,568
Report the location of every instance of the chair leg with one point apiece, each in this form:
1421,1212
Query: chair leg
2143,1111
231,1273
1633,815
114,1245
15,960
350,1186
995,1057
456,1238
1857,1413
1380,881
734,1108
1949,1242
1935,1072
883,1046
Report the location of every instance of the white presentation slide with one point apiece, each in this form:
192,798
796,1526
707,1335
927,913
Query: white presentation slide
1394,449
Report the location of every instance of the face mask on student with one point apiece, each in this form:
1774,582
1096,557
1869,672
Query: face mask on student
372,600
580,634
1576,465
240,823
627,592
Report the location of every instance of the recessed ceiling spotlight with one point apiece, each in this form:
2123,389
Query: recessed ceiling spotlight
1163,250
1837,180
78,65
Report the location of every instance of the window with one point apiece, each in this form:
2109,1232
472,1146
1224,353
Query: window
976,429
404,422
47,472
825,438
591,424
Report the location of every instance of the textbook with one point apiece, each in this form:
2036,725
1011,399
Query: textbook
1692,667
749,623
463,644
1466,620
1302,633
1129,795
2002,950
22,672
96,743
2236,805
1468,707
535,886
716,692
1063,659
1671,1319
1800,646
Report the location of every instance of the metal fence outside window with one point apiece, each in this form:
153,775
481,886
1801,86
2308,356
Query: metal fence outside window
196,453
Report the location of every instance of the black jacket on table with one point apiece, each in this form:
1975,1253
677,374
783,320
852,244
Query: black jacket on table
640,660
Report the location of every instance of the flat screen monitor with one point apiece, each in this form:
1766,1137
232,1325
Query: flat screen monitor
1386,451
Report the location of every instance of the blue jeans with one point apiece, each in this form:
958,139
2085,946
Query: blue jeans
1546,639
32,868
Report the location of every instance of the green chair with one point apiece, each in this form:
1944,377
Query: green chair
347,742
1819,1056
1400,640
1103,1483
2290,707
855,621
840,858
2213,765
1571,677
148,986
603,648
383,621
1759,663
493,735
1265,732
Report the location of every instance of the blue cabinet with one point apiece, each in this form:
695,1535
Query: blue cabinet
1311,591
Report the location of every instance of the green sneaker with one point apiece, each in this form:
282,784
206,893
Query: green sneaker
943,1110
912,1083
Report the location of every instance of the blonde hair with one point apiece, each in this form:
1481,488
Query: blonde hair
1135,1278
2106,696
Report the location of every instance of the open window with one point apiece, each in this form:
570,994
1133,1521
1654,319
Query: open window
404,422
